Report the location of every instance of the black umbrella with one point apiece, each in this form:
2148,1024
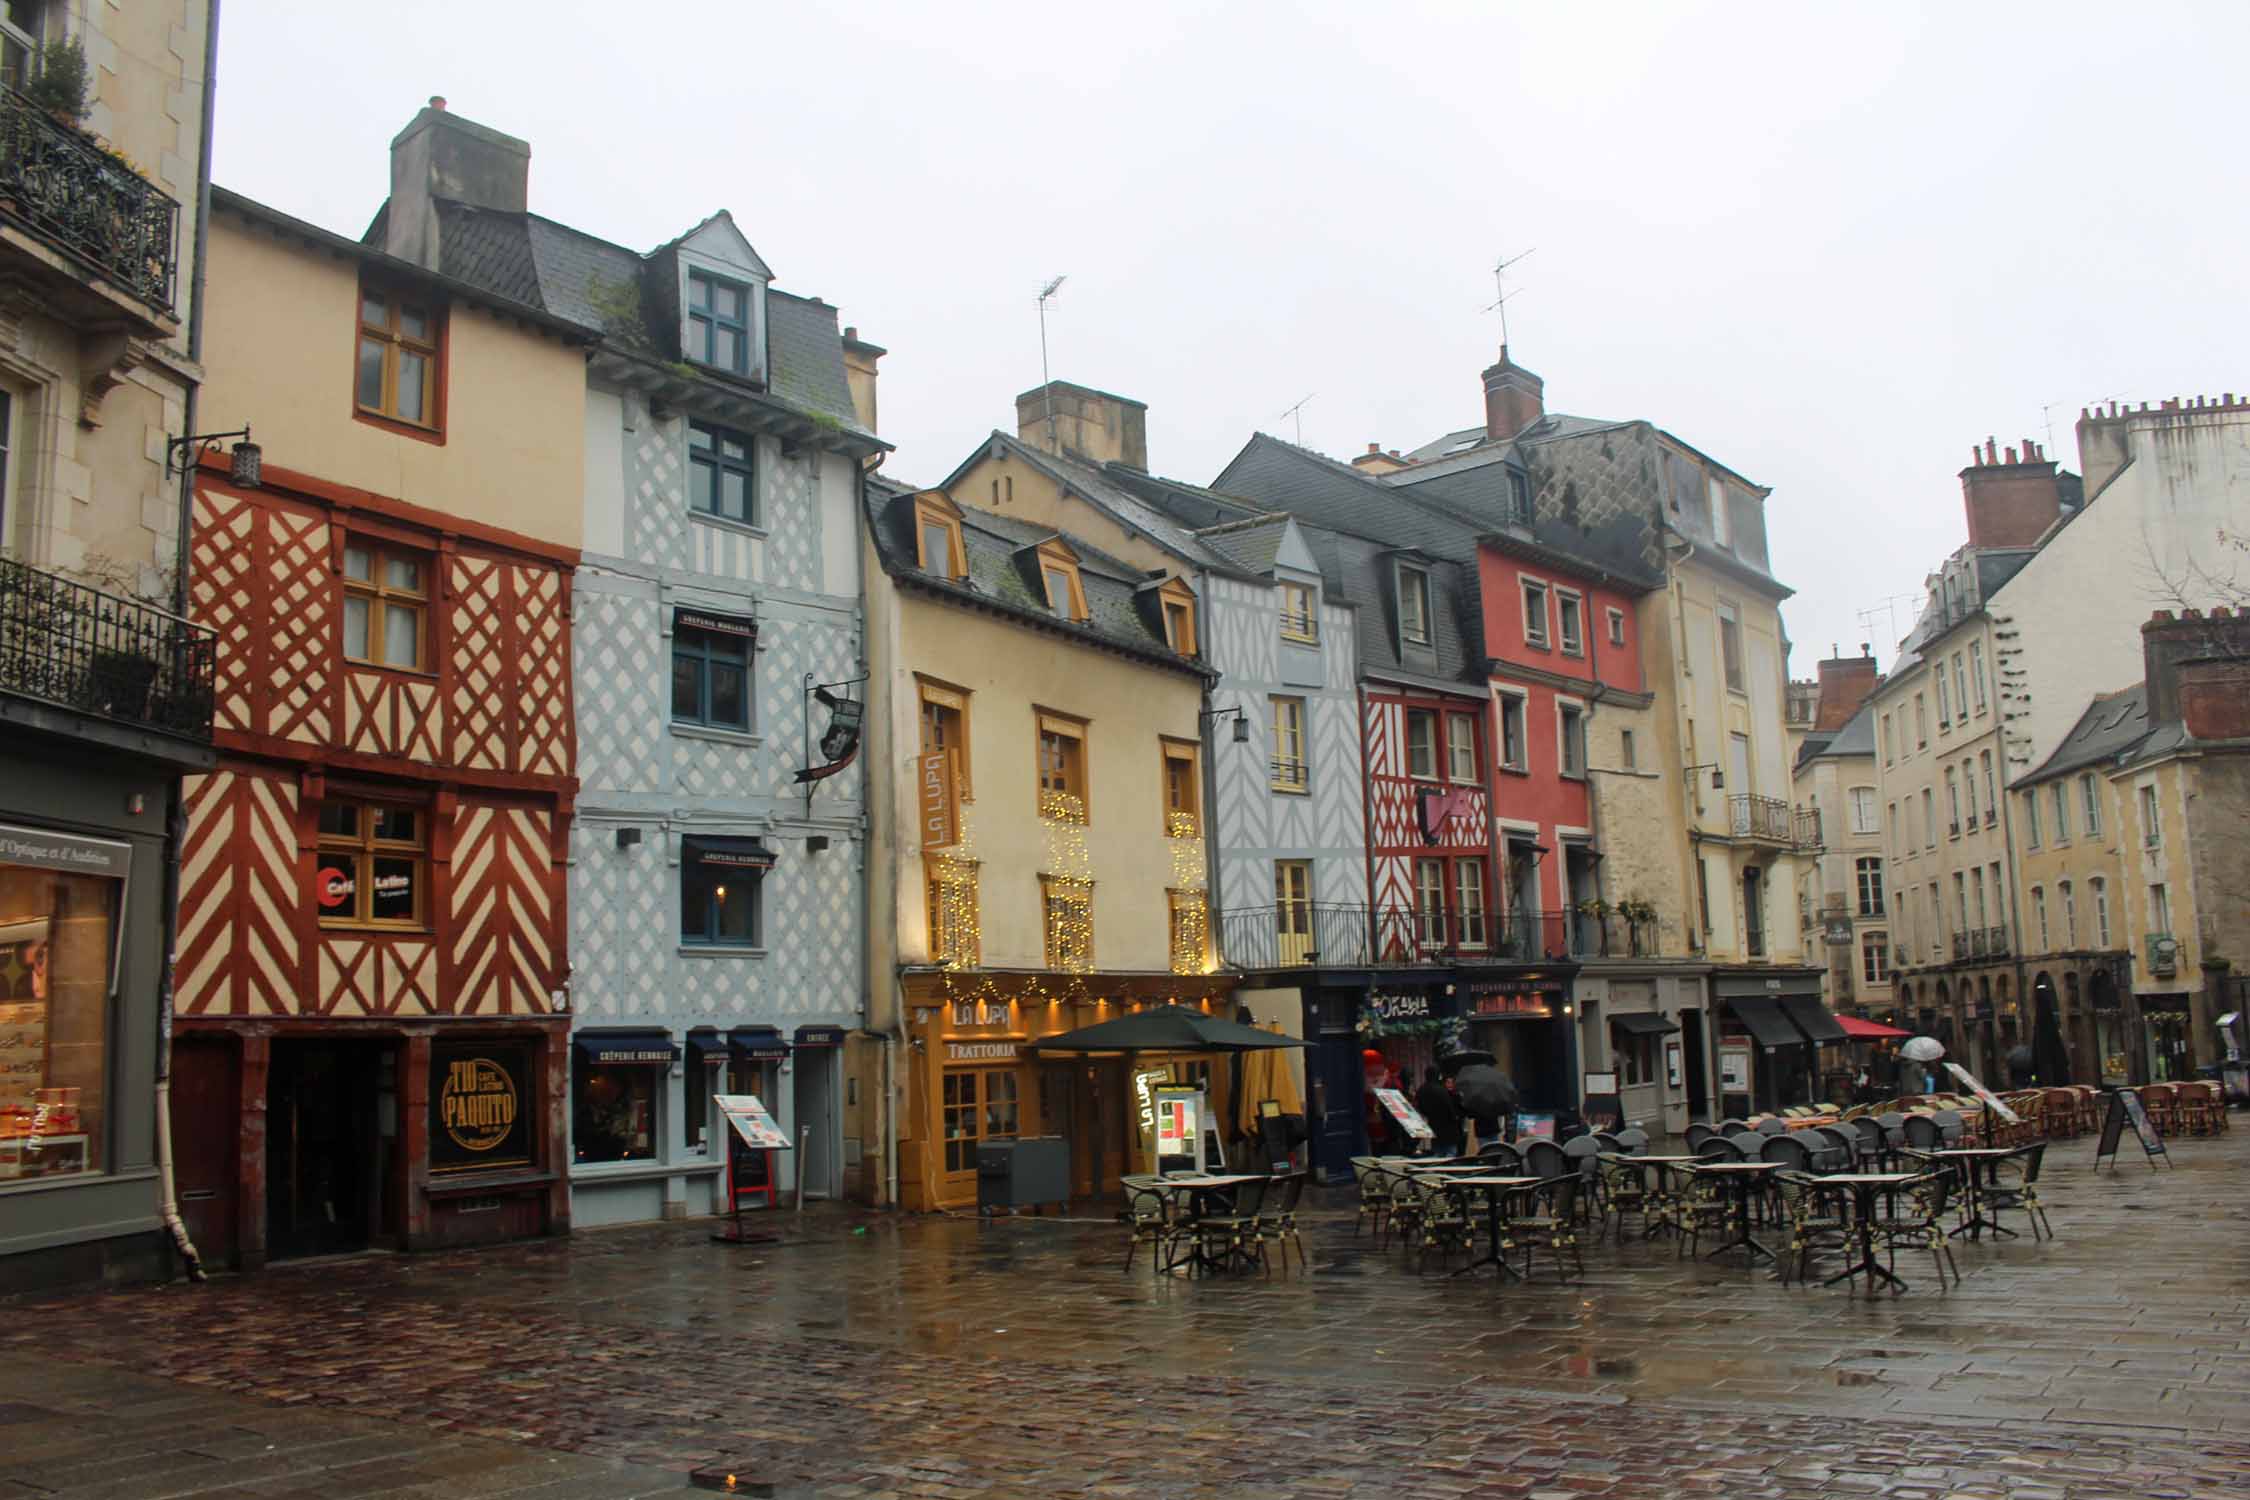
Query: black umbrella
1485,1095
1454,1062
1165,1028
2050,1058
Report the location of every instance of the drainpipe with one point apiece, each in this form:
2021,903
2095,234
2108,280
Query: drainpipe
175,816
893,1030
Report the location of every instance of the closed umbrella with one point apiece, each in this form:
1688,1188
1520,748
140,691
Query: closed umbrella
2050,1058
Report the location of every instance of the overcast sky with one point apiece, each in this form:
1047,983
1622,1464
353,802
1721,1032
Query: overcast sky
1831,247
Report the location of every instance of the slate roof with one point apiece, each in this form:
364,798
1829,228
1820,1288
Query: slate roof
1253,543
1470,440
1480,492
1119,614
1106,488
2110,731
1857,737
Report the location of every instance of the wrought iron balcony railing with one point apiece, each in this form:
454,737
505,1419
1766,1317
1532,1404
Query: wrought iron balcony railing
101,654
1960,945
1766,818
87,202
1334,935
1996,941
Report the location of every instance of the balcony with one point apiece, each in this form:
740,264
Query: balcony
1772,821
1960,946
87,203
96,653
1996,941
1333,935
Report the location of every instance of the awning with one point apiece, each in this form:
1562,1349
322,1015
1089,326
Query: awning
709,1041
724,852
1859,1030
820,1036
759,1043
1813,1018
1643,1023
612,1048
1761,1014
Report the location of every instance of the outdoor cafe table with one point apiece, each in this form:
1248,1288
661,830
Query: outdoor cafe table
1864,1186
1494,1188
1739,1178
1977,1165
1200,1189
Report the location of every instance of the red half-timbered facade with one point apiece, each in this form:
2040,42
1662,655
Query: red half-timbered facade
372,936
1429,824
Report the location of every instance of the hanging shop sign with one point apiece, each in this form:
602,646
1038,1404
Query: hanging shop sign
1399,1007
1839,932
941,810
480,1097
1433,810
1490,1002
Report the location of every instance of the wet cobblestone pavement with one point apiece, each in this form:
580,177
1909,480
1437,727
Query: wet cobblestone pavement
941,1357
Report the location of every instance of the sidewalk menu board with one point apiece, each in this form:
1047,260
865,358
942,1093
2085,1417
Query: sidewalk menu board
1406,1114
751,1122
2125,1108
1179,1123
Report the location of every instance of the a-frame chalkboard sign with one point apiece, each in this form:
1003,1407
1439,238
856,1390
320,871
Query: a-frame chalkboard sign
2125,1109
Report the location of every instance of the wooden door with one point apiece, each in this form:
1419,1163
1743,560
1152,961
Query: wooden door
206,1143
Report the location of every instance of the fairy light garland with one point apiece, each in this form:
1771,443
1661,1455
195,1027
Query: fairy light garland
1191,917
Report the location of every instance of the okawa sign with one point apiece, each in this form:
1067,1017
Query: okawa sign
480,1098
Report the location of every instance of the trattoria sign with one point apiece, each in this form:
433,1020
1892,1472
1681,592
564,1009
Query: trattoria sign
480,1111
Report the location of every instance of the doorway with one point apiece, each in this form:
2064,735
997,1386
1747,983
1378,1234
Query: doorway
816,1113
206,1135
1691,1048
331,1146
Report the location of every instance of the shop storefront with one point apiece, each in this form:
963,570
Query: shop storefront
1638,1030
2168,1035
1525,1022
1765,1062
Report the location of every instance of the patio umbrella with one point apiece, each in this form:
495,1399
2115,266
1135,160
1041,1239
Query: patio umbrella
1922,1049
1165,1028
1454,1062
2050,1058
1485,1095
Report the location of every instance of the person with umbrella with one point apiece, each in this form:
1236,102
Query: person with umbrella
1923,1052
1485,1096
1438,1107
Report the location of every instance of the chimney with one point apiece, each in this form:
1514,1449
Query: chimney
1845,682
860,359
442,155
1375,462
1514,398
2198,670
1093,425
2011,497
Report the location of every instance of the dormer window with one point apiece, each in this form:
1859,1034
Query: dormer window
1414,606
1177,601
718,322
1519,496
937,535
1298,621
1058,573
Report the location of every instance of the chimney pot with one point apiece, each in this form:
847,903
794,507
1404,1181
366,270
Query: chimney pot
851,332
1375,448
437,101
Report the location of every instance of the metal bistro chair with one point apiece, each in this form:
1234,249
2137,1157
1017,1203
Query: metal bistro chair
1922,1132
1277,1218
1733,1127
1843,1146
1502,1155
1874,1144
1606,1141
1815,1217
1445,1225
1625,1190
1722,1148
1557,1228
1148,1220
1405,1220
1543,1158
1919,1223
1697,1134
2015,1185
1951,1124
1701,1207
1584,1153
1231,1234
1773,1125
1794,1152
1633,1141
1751,1142
1374,1195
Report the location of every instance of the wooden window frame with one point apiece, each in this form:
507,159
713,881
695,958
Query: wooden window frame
714,458
1437,733
982,1086
935,508
710,321
710,937
1570,740
1463,914
381,597
430,427
1733,663
1047,722
1452,770
1521,703
1616,626
1301,626
1175,603
939,872
1287,736
1430,923
2089,803
1172,752
1414,583
931,693
1537,632
705,656
365,848
1570,602
1055,890
1057,556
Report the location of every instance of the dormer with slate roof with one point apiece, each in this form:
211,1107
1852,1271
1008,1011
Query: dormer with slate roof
711,288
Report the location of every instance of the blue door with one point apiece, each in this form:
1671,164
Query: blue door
1338,1083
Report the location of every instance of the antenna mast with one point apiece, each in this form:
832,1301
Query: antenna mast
1297,412
1502,294
1046,382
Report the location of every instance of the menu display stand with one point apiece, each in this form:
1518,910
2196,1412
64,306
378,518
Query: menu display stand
753,1141
2125,1108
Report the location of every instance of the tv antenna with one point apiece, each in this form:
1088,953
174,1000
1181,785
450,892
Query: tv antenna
1297,413
1886,609
1046,382
1499,303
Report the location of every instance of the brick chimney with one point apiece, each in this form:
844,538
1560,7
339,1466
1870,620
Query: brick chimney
860,359
1514,398
441,155
1845,682
2198,670
1093,425
1375,463
2011,497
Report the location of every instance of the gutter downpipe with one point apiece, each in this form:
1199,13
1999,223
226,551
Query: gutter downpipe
894,1029
175,816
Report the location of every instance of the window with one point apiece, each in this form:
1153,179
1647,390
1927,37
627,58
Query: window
1929,818
1421,744
1976,883
1519,496
1299,622
1976,671
1921,723
2090,803
1722,522
2100,890
1468,885
1511,732
937,532
1461,748
612,1110
1863,809
1190,931
398,358
711,670
1289,745
2159,910
721,480
720,887
1870,875
1960,902
1292,909
1754,912
718,322
1730,645
1178,603
1570,613
1890,821
1890,741
1991,790
1875,957
1573,725
22,29
1634,1055
386,600
1062,769
2039,915
57,938
2031,819
1183,799
2152,819
1429,901
1617,627
2070,913
1058,573
1944,700
1952,805
372,865
1067,907
1626,754
1960,688
2061,801
1969,793
977,1103
1535,613
1414,606
951,894
945,727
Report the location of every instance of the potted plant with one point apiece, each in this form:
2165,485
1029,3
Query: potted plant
59,87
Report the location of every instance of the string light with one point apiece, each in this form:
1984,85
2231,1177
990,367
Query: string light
1191,907
1069,886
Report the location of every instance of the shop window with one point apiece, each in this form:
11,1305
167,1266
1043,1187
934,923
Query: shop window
483,1103
1421,744
1512,752
1461,748
1183,801
1289,774
1292,908
1062,769
1298,621
937,535
1413,606
1570,620
1634,1055
718,322
1067,911
945,727
722,480
398,364
372,865
386,605
722,884
57,936
979,1105
696,1104
955,940
711,656
613,1110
